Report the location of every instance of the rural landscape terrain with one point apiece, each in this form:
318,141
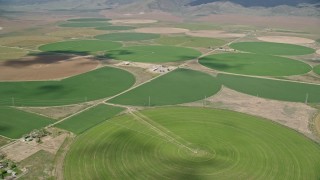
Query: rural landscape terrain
159,89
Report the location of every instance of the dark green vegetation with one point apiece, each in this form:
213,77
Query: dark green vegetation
272,48
15,123
87,119
80,46
84,24
88,20
255,64
191,143
100,83
153,54
127,36
115,28
317,69
179,86
272,89
189,41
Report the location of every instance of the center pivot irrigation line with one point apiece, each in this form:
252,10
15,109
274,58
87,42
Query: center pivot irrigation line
163,132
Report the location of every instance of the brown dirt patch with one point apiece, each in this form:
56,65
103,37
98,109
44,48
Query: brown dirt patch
292,115
27,41
133,21
161,30
214,34
318,51
45,67
286,39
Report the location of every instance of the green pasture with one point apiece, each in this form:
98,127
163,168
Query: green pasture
84,24
97,84
317,69
153,53
255,64
127,36
177,87
188,41
89,118
191,143
7,53
115,28
80,46
15,123
272,48
272,89
88,20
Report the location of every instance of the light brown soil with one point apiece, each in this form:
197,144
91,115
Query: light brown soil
318,51
133,21
161,30
20,150
286,39
45,67
317,124
214,34
292,115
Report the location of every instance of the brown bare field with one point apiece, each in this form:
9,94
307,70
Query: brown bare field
292,115
76,32
161,30
133,21
9,53
214,34
27,41
286,39
45,67
318,51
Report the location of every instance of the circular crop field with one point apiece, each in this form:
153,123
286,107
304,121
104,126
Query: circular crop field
85,24
127,36
317,69
272,48
188,41
153,54
115,28
255,64
191,143
80,46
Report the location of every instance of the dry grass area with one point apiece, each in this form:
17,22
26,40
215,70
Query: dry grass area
317,124
4,141
214,34
45,67
76,33
8,53
310,77
292,115
30,42
318,51
133,21
56,112
161,30
286,39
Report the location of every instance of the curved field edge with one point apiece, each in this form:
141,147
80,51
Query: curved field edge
272,48
316,69
272,89
129,36
177,87
255,64
97,84
238,146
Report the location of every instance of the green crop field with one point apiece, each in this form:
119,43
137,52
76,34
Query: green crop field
115,28
85,24
153,54
317,69
15,123
191,143
255,64
100,83
7,53
80,46
189,41
272,48
90,118
272,89
179,86
127,36
88,20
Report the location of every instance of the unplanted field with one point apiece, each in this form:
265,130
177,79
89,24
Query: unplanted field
97,84
115,28
153,53
255,64
317,69
15,123
188,41
82,47
161,30
272,48
89,118
76,32
7,53
286,39
191,143
177,87
84,24
88,20
27,41
272,89
127,36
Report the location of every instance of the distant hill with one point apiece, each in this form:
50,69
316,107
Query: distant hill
257,3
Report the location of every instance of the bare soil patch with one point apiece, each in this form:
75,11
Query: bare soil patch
161,30
318,51
27,41
45,67
292,115
214,34
286,39
133,21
